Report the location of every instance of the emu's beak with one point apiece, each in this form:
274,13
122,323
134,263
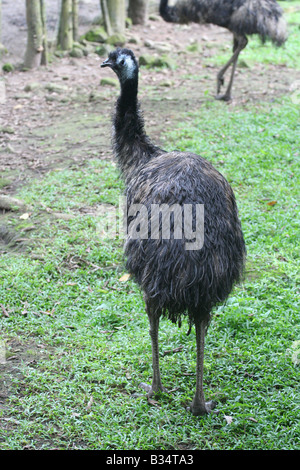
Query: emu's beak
106,63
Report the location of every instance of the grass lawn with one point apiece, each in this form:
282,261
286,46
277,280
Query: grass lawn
81,331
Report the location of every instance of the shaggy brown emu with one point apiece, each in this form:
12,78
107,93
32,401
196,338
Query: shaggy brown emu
241,17
177,277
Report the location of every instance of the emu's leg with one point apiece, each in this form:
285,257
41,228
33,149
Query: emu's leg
239,43
156,379
221,73
198,405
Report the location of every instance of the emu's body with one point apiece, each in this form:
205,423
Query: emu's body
241,17
175,281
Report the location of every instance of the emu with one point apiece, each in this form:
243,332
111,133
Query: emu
241,17
175,281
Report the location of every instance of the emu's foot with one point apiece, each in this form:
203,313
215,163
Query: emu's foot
201,409
225,97
150,390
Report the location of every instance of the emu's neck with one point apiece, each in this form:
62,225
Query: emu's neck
127,101
132,147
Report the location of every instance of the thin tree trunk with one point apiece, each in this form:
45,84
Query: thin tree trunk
75,19
105,14
65,32
138,11
44,59
34,49
116,9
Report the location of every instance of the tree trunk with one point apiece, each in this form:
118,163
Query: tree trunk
138,11
75,19
34,49
106,18
116,9
65,32
44,59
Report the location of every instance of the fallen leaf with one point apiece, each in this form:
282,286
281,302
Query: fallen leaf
25,216
272,203
228,419
91,400
175,350
124,278
252,419
4,311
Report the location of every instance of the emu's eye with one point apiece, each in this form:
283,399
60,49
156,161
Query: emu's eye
122,62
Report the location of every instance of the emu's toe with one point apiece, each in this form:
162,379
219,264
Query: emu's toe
225,97
150,390
201,409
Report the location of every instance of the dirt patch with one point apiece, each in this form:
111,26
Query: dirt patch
14,355
64,114
14,28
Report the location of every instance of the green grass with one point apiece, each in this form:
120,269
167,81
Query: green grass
76,341
92,332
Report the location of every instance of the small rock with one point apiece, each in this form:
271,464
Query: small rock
149,43
128,22
134,40
166,61
153,61
88,48
8,68
104,50
6,130
153,17
116,40
166,83
32,86
95,97
10,203
21,96
193,47
60,54
146,59
96,35
243,64
163,48
76,52
51,98
56,88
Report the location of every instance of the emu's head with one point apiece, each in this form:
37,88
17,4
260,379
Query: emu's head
123,63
